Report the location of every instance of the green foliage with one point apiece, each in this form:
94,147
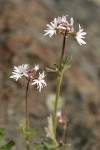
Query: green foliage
29,132
64,65
47,145
2,133
7,146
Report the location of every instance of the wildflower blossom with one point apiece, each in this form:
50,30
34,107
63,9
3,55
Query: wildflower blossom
58,25
53,28
33,71
62,19
80,36
20,71
62,25
61,119
36,67
68,26
40,82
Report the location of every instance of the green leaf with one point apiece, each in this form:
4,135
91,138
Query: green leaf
38,146
30,132
2,133
50,70
49,146
65,63
8,146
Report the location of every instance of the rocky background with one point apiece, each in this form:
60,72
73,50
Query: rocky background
22,24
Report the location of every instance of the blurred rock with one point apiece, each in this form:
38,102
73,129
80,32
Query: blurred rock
22,24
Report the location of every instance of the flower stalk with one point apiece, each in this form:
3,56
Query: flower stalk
63,46
59,79
27,115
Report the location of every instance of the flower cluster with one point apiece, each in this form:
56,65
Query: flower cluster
61,25
22,70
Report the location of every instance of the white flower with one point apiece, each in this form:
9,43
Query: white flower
58,25
20,71
62,19
49,130
36,68
40,82
53,27
62,25
68,25
71,21
80,36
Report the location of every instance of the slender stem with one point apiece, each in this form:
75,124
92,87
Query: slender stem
27,87
27,142
59,79
56,102
27,116
63,47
